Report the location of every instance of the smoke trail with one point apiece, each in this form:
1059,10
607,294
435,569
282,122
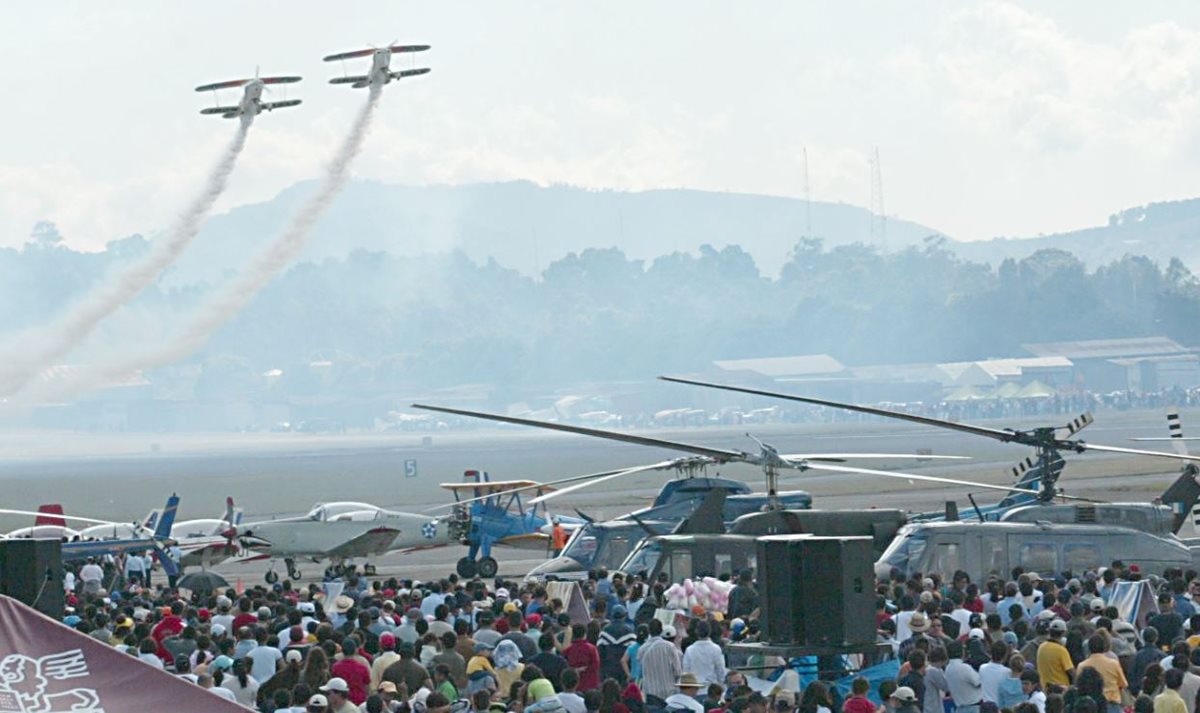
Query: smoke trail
233,298
41,348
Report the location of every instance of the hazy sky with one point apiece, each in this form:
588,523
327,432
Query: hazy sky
991,118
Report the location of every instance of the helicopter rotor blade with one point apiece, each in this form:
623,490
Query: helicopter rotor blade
841,457
1085,446
1005,435
999,434
75,518
718,454
927,478
588,483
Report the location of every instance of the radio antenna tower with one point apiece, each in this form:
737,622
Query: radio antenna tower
878,215
807,198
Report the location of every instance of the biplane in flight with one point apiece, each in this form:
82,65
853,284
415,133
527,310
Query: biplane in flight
381,71
252,103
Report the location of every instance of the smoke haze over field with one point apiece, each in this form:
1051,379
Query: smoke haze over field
232,298
40,348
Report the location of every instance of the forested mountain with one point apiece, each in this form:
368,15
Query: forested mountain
1160,230
526,227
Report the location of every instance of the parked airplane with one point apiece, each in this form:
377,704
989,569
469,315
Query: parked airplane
79,547
208,542
251,104
381,59
488,512
49,524
341,531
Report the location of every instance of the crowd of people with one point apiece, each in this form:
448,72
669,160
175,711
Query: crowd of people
425,647
1041,645
1025,645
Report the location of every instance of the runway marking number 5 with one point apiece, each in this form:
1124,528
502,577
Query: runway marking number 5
410,468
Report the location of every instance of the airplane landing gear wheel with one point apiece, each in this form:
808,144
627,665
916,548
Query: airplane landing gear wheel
487,567
293,573
271,576
465,568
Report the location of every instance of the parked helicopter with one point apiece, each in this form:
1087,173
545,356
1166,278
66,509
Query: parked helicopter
605,545
586,551
1039,535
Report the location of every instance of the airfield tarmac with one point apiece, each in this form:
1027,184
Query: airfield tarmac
122,476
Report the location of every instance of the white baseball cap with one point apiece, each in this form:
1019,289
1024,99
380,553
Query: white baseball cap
905,694
335,684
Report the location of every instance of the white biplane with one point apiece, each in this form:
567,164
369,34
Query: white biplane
252,103
381,71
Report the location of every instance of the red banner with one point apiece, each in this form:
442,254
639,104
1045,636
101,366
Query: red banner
48,667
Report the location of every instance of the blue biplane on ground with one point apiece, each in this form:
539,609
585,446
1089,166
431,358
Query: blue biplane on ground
502,512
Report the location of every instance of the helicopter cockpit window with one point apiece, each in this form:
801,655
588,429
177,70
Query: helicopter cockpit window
643,559
724,564
681,565
945,558
317,514
1038,557
905,551
582,548
991,551
1080,557
617,550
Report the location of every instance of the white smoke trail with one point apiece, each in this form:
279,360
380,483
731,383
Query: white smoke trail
31,352
223,306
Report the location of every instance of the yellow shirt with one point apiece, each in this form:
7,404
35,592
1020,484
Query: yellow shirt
1110,669
1053,663
1169,702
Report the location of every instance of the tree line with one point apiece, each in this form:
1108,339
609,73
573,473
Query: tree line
385,322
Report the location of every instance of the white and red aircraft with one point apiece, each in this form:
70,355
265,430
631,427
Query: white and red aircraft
251,104
381,72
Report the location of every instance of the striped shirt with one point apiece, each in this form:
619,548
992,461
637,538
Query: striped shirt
662,664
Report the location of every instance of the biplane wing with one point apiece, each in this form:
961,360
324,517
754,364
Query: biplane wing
494,487
409,48
221,110
223,85
410,72
350,80
280,104
350,55
279,80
